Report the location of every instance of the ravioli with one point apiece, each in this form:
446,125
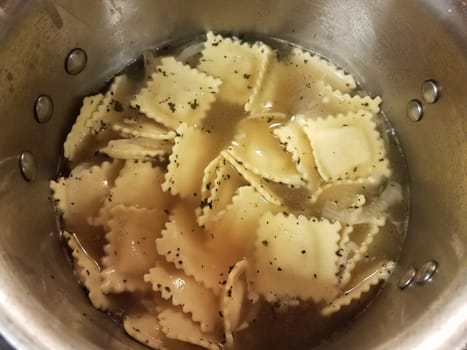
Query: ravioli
226,182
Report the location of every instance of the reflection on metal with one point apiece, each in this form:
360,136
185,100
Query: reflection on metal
28,166
407,278
43,108
430,91
76,61
426,272
414,110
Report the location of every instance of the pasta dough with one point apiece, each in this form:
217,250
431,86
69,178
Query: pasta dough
169,102
232,179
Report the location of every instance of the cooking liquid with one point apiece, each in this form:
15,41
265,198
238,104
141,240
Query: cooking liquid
276,326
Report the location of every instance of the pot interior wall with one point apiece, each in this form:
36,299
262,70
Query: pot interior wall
391,46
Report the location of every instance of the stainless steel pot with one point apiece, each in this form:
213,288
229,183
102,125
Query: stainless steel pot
391,45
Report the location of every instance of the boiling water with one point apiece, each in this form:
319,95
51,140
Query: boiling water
276,326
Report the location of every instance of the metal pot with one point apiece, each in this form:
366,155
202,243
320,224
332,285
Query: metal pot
392,46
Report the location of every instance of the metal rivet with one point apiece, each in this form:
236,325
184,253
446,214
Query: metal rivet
426,272
28,166
430,91
43,108
407,278
414,110
76,61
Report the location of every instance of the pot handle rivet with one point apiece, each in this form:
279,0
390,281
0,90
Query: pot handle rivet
414,110
28,166
43,108
430,91
407,278
76,61
426,271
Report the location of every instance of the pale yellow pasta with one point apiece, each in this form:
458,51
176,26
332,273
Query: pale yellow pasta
81,195
143,325
130,251
138,184
139,125
233,300
194,299
260,184
371,277
297,144
79,138
335,101
317,68
360,239
222,188
183,243
237,227
170,102
175,324
254,184
377,206
203,149
296,257
240,66
347,147
348,195
255,144
138,148
210,174
88,273
297,84
324,101
115,105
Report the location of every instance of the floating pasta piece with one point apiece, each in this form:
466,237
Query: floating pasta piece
255,145
194,299
139,185
236,228
176,324
233,300
297,144
80,196
115,105
260,184
296,258
177,94
183,243
349,195
363,283
347,147
193,150
335,101
304,77
145,328
359,239
222,188
209,175
375,205
80,136
322,100
88,273
318,68
240,66
131,251
138,148
139,125
344,239
143,325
